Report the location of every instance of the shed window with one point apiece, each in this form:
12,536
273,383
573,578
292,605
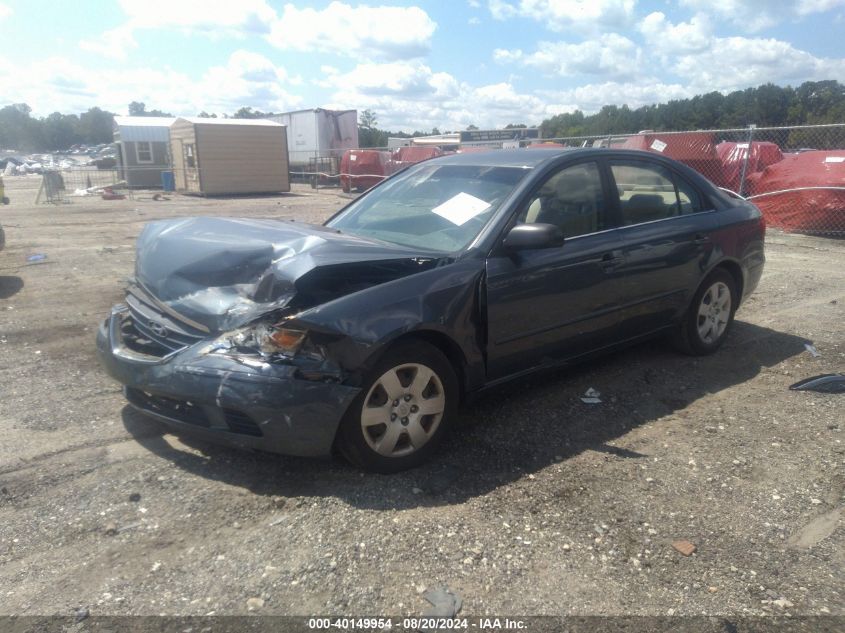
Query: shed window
144,152
190,160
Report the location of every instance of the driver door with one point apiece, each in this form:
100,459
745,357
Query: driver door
550,304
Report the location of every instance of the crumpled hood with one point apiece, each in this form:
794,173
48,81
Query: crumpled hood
223,272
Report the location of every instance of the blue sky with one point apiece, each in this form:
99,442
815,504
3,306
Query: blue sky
416,64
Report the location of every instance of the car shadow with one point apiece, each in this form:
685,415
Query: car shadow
519,429
10,286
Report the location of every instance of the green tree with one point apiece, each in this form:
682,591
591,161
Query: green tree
96,126
367,119
138,108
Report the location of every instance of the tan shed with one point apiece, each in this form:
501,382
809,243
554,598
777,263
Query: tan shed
229,156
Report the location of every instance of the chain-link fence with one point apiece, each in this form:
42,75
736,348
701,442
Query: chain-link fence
61,185
796,175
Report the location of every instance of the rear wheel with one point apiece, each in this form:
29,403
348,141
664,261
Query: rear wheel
403,411
710,315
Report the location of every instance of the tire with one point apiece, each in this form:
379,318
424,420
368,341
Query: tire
710,316
406,406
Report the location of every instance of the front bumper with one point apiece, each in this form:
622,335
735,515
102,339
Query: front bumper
264,406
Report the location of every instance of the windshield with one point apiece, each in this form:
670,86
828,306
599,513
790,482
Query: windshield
434,207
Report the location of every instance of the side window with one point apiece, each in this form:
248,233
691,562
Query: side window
646,191
143,152
689,198
570,198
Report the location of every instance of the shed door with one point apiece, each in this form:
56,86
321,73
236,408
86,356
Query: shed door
192,167
179,164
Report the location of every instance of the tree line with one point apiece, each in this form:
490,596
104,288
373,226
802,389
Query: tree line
813,102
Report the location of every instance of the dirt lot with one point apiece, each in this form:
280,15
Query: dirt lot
541,504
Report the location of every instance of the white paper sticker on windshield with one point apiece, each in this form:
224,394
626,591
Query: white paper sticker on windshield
658,145
461,208
834,159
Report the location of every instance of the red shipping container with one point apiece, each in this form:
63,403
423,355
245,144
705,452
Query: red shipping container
404,156
362,168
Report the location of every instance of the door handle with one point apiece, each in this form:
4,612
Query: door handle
611,260
700,239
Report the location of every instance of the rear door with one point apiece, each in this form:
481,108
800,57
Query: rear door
665,233
547,304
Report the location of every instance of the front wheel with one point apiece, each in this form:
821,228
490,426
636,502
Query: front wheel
405,407
710,315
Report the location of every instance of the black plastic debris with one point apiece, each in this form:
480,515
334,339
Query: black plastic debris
824,383
445,603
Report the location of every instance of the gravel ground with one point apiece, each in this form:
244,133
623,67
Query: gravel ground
540,504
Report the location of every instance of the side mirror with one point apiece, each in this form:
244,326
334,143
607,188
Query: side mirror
531,236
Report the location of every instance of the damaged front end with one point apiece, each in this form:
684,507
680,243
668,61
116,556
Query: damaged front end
208,339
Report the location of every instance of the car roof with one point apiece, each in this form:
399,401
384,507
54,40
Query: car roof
510,157
534,156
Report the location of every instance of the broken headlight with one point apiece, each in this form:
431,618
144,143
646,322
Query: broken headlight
264,338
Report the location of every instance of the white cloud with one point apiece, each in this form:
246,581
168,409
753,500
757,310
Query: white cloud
559,15
591,97
5,10
757,15
56,84
114,43
733,63
609,54
372,32
213,18
217,16
707,63
410,96
684,37
383,32
410,80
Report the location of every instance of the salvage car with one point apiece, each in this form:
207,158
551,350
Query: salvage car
364,334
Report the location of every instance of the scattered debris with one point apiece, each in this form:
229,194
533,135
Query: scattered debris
684,547
591,396
812,349
445,603
109,194
37,257
157,197
254,603
135,497
110,529
81,614
823,383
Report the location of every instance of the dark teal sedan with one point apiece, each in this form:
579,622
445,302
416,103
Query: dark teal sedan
447,279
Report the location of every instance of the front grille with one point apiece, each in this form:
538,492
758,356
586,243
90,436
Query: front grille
182,410
148,330
191,413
